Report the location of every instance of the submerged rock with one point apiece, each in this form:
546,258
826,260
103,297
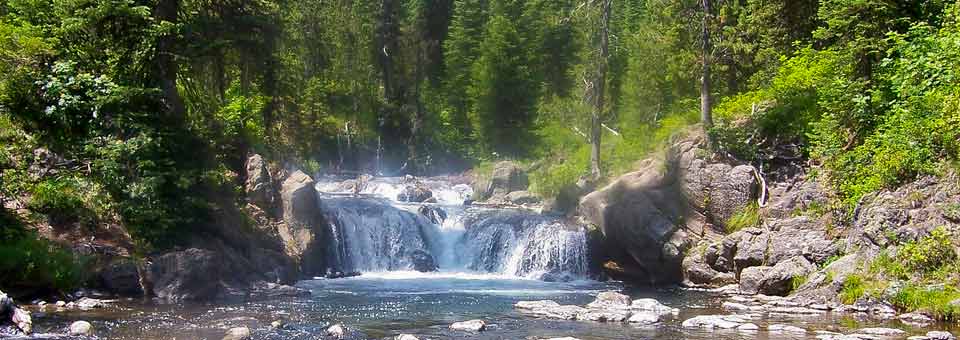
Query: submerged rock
881,331
336,331
436,215
715,321
81,328
416,193
237,333
422,261
469,326
785,328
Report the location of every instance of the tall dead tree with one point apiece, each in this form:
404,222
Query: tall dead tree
599,87
706,109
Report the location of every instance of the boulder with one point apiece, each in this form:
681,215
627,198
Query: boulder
780,278
81,328
423,261
436,215
237,333
715,321
610,300
940,335
415,193
300,231
122,277
751,279
697,271
506,177
604,315
654,306
522,197
188,275
640,216
469,326
644,318
259,183
11,314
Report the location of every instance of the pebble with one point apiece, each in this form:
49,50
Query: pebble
470,326
277,324
406,337
748,327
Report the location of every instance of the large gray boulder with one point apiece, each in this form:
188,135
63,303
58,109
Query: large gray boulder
719,190
643,215
122,277
775,280
188,275
506,177
300,231
259,183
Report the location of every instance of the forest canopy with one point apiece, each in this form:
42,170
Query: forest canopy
153,106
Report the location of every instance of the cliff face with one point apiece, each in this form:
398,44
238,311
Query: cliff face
689,218
652,218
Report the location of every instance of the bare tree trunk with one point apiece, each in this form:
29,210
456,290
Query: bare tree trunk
706,109
166,64
599,89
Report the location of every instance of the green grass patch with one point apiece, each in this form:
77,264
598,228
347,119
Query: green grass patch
747,217
933,300
27,261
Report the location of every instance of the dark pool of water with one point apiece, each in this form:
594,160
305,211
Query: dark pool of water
382,306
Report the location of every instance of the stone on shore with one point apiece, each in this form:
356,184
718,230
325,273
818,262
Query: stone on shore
785,328
715,321
940,335
881,331
610,300
81,328
237,333
469,326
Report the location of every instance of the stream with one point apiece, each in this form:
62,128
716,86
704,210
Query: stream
488,259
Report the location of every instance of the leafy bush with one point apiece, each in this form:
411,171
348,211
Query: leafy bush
747,217
28,261
928,254
61,199
853,289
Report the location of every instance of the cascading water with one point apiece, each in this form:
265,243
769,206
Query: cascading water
371,231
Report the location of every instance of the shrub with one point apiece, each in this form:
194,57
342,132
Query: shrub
61,199
929,253
747,217
853,289
29,261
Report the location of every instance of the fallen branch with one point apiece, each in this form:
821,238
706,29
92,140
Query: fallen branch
762,200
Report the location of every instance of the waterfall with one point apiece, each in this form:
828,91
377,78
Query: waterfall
373,232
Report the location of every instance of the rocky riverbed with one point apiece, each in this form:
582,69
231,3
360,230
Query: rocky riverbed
445,306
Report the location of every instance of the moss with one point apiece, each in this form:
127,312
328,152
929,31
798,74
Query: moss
747,217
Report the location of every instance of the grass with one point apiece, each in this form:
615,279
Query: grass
747,217
933,300
797,281
853,289
26,260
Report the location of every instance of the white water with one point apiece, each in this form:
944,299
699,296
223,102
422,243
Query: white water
374,233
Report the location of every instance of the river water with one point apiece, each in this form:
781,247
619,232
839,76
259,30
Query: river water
488,260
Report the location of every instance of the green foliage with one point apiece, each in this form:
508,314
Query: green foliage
747,217
29,261
853,289
61,199
929,253
935,300
797,281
